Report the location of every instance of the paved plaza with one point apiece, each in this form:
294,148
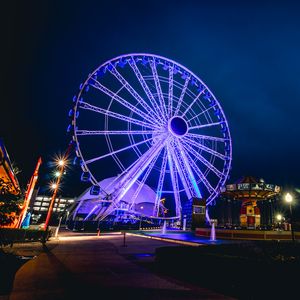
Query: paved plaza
80,265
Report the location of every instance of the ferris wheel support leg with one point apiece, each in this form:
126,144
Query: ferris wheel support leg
132,175
174,180
188,169
160,185
207,216
142,182
182,176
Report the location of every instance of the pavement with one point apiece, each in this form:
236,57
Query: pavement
79,265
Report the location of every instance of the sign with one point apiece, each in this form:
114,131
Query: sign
231,187
198,209
257,186
243,186
269,187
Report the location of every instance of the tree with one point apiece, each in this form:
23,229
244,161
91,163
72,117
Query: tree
9,208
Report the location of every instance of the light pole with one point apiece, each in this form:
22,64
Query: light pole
57,228
67,217
289,199
61,163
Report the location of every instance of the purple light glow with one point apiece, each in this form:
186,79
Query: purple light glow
175,126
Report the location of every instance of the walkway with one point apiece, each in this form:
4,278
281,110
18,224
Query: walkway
82,266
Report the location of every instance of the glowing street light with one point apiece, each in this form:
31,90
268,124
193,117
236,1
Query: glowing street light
61,163
279,218
289,199
57,174
53,186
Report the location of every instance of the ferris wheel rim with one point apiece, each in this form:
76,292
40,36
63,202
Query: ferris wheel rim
93,179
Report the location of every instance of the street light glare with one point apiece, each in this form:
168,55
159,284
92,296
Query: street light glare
279,217
61,162
288,198
53,186
57,174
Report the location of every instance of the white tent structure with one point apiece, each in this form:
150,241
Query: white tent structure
90,207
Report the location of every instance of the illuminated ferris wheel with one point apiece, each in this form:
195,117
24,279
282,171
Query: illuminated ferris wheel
156,123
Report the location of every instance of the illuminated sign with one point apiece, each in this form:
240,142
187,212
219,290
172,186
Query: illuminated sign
243,186
269,187
231,187
257,186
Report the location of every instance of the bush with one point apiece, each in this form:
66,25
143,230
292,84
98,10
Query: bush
251,270
8,236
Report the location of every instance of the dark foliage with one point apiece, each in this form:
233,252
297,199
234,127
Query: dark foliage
248,270
9,208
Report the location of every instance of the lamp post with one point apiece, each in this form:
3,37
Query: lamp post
279,219
55,186
289,199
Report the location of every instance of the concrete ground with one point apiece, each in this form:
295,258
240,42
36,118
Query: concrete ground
80,265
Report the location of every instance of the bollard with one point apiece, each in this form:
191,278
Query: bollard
124,239
98,232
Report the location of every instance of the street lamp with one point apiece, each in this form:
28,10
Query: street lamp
289,199
279,219
61,163
57,173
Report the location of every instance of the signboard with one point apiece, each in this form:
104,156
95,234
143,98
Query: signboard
198,209
257,186
243,186
230,187
269,187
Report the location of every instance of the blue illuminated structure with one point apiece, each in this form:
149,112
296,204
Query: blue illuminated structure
159,124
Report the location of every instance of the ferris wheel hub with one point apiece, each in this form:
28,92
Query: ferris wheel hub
178,126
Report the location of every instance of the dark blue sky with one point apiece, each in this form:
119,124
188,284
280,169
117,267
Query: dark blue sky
247,54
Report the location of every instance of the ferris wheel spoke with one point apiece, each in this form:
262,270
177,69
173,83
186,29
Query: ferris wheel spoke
158,89
87,106
146,88
135,94
205,125
160,185
204,148
202,113
120,100
193,102
118,151
203,160
180,169
182,95
206,137
113,132
117,178
133,174
200,175
170,94
174,180
136,193
190,176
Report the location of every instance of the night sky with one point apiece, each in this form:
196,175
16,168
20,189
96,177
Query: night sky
247,54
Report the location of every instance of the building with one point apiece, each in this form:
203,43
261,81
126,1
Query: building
39,206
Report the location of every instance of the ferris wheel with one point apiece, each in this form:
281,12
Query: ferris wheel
151,121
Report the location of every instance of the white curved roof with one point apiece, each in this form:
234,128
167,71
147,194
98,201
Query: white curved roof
145,195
